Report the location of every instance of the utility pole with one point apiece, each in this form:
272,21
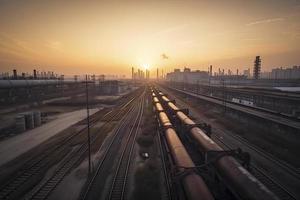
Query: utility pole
209,79
224,94
197,86
132,73
88,121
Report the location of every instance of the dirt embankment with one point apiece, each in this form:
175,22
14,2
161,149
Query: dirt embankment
147,176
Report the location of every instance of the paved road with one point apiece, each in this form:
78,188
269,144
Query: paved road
15,146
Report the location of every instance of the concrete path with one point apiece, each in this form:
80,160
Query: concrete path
17,145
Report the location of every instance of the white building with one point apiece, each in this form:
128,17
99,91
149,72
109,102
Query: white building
288,73
188,76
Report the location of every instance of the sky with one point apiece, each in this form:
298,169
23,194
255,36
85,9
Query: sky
110,37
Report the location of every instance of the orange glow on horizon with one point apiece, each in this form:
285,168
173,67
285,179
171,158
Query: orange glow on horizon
98,37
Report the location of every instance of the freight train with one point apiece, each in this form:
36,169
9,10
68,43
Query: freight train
194,186
238,180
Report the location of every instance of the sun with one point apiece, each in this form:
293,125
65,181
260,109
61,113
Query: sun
146,66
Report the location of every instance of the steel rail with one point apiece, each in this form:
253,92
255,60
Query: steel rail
119,182
92,180
43,190
259,173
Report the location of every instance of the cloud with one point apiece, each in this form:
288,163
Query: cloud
265,21
14,46
164,56
54,45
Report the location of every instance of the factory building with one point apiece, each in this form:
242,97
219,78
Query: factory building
283,73
188,76
111,87
23,91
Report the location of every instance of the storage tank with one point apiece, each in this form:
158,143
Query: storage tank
29,120
20,123
37,118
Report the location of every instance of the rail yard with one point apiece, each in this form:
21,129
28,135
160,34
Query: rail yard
149,100
154,142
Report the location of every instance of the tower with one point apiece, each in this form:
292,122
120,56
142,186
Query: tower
34,74
132,73
15,75
257,67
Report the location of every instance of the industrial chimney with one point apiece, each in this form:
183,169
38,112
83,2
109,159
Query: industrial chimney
34,74
15,75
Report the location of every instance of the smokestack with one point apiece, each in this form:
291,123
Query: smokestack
237,71
34,74
157,73
15,75
132,73
210,70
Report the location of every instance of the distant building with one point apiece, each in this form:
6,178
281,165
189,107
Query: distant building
188,76
265,75
247,73
283,73
111,87
288,73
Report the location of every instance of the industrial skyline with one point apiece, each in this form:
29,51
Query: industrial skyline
150,99
110,37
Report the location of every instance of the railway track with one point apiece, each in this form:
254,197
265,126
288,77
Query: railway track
280,163
117,189
37,165
34,166
43,190
166,194
265,178
289,121
292,170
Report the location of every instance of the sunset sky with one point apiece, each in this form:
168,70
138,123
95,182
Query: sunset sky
110,37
